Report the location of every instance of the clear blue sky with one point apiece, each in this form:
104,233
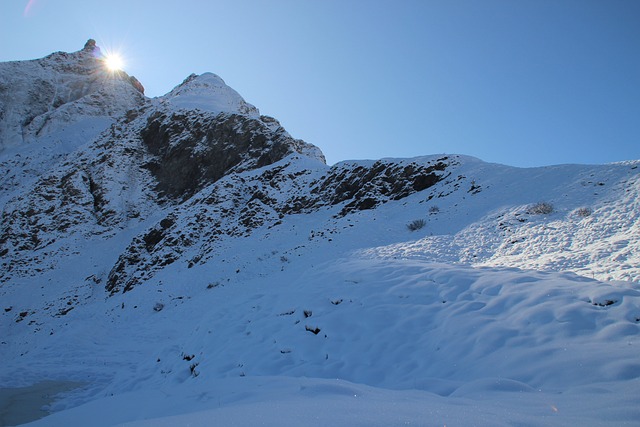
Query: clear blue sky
521,82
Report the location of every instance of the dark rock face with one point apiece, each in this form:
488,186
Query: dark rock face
194,150
364,187
237,205
361,187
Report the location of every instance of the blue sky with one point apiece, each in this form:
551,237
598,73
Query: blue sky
520,82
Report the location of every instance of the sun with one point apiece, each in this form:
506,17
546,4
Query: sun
114,62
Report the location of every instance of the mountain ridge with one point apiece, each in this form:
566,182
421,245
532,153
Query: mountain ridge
168,242
202,145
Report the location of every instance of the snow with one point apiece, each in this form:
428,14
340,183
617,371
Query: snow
356,320
51,107
496,228
409,330
45,96
282,401
490,314
208,92
400,342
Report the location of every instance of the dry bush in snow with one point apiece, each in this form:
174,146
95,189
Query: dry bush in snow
541,208
416,224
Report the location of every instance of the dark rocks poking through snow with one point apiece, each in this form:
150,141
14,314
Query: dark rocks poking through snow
193,150
243,202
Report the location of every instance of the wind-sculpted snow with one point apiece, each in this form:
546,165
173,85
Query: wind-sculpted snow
455,344
404,324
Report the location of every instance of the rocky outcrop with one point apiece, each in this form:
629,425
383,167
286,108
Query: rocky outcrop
361,187
240,203
194,149
90,45
149,157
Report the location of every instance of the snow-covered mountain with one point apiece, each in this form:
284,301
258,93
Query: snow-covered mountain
185,245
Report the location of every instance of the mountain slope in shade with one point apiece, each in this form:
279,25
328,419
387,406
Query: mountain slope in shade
186,255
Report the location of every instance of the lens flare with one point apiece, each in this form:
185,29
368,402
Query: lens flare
28,8
114,62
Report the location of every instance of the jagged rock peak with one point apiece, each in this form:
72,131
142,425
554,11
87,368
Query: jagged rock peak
90,60
90,45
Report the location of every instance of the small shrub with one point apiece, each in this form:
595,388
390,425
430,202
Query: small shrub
158,307
541,208
582,212
416,224
434,210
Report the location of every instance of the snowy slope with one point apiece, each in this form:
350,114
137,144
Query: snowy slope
52,106
208,92
401,341
190,262
592,230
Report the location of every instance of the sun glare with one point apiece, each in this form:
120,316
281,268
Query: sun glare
114,62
